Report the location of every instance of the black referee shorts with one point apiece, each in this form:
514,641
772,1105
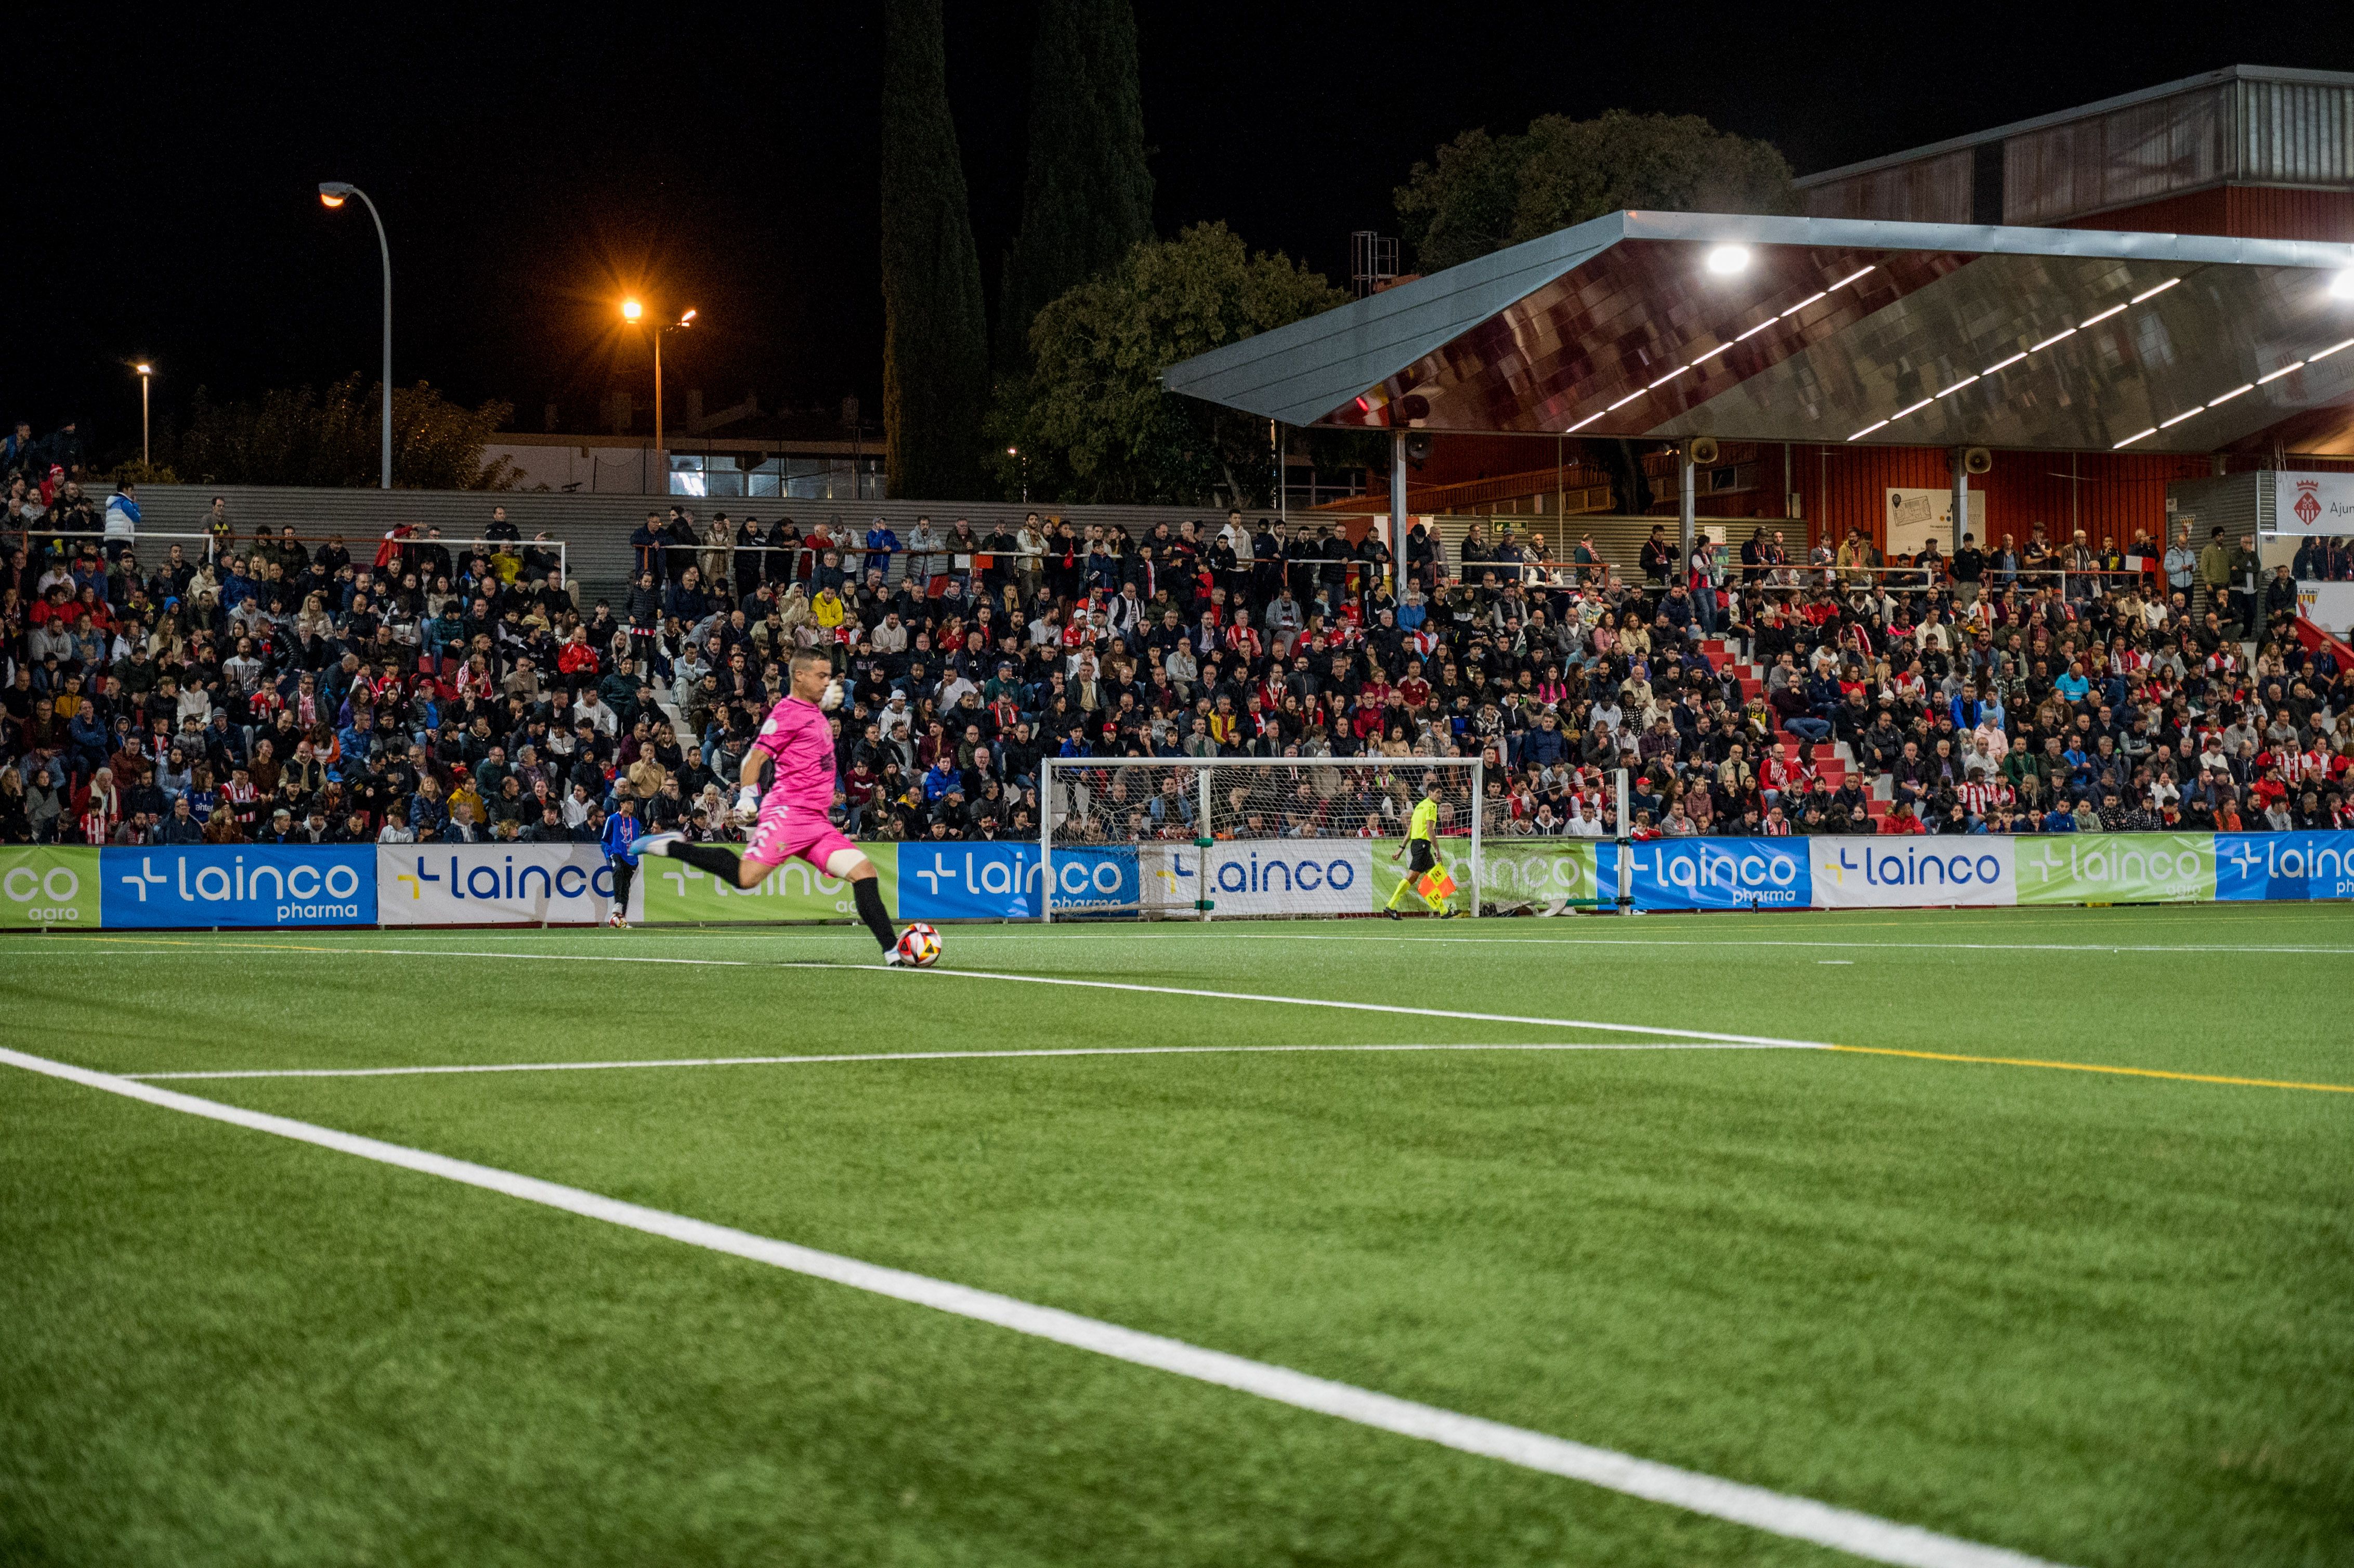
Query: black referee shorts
1419,857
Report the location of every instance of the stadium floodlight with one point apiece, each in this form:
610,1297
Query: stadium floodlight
1726,259
333,194
1220,838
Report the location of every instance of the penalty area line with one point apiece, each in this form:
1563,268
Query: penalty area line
945,1057
1319,1001
1777,1513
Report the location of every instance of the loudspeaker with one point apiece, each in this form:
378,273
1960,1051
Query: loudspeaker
1412,407
1417,449
1978,460
1704,452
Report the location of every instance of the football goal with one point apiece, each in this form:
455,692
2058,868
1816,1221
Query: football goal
1249,837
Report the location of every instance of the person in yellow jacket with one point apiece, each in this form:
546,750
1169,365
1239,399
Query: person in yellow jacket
1422,838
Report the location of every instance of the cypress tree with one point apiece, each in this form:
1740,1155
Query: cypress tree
935,330
1089,196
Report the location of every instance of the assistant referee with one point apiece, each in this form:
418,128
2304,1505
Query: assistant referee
1421,838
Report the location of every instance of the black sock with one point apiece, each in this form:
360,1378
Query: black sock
869,893
624,873
707,857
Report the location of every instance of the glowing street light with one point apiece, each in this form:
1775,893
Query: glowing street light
632,312
146,373
333,194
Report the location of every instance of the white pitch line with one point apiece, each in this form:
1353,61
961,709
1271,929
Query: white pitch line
1086,984
1319,1001
1709,942
1777,1513
943,1056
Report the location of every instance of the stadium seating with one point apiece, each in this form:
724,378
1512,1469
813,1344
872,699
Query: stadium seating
388,691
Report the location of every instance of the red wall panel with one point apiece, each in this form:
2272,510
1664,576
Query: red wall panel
2244,212
2107,494
2264,212
2197,212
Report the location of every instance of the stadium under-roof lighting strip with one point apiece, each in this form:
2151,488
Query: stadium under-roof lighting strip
2245,386
2003,364
1721,347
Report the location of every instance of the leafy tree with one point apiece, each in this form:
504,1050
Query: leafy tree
935,334
1486,192
302,435
1089,196
1092,416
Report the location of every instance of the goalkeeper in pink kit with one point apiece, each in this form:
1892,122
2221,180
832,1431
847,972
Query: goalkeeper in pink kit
789,820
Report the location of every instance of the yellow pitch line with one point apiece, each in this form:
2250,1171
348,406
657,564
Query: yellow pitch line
2097,1067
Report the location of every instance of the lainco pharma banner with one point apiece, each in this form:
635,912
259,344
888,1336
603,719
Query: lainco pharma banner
261,885
240,884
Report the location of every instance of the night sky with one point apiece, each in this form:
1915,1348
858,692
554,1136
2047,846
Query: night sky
533,164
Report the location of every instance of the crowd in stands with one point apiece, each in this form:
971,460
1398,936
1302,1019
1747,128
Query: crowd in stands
276,689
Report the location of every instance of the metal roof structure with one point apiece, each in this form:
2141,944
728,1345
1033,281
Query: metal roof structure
2230,76
1663,325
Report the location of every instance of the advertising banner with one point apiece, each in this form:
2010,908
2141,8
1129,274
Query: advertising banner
2313,504
2116,868
1713,874
671,890
1856,873
2329,606
1916,516
240,884
1528,873
1515,874
1000,881
2289,866
43,887
1454,854
1286,877
1091,878
485,885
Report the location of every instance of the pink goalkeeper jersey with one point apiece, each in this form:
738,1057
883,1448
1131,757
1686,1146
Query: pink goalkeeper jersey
800,742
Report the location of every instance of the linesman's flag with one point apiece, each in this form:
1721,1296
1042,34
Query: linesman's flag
1435,884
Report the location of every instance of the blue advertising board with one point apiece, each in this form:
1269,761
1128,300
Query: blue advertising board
240,884
1711,873
1000,881
2287,866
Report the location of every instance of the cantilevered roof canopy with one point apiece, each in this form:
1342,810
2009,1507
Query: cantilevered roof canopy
1660,325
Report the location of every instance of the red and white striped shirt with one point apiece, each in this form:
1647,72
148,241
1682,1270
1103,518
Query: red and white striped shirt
1983,793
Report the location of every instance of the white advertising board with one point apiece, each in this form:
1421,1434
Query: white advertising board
2313,504
1276,876
1909,872
1916,516
493,885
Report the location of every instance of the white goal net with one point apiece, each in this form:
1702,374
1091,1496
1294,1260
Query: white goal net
1246,837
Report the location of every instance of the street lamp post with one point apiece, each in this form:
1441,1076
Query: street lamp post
633,312
146,371
333,194
1016,453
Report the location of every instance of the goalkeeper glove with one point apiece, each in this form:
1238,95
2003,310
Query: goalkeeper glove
747,805
832,697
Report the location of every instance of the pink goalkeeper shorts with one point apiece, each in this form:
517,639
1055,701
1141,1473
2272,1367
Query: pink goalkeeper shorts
784,832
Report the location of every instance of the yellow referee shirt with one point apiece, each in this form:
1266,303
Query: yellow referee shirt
1424,821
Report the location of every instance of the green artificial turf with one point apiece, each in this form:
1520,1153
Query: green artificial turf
2098,1318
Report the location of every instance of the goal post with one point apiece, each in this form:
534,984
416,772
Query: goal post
1187,838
